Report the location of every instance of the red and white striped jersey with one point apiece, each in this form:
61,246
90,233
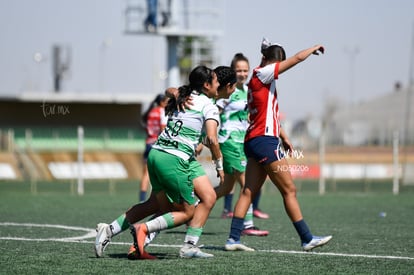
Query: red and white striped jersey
155,122
262,102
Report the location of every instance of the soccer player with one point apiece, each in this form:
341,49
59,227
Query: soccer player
169,161
263,146
202,188
234,122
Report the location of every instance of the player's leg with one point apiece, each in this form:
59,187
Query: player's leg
233,160
105,232
144,183
172,184
227,186
255,177
234,164
257,212
182,213
279,174
249,228
207,197
228,205
145,176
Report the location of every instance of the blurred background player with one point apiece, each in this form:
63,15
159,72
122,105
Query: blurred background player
154,120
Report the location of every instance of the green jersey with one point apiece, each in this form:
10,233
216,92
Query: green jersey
234,116
183,131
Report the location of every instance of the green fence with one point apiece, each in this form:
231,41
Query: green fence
67,138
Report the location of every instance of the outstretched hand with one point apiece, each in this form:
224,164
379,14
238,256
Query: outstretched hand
319,49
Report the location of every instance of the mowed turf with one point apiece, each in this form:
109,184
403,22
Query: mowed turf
372,234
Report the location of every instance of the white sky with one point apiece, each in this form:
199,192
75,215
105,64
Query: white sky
381,30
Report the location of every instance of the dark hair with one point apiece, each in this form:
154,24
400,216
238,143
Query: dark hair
156,102
274,53
225,75
238,57
198,76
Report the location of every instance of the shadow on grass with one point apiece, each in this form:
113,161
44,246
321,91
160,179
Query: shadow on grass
160,256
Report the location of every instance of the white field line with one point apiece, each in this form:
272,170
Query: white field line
91,234
338,254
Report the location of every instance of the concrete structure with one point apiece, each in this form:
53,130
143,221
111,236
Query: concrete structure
374,122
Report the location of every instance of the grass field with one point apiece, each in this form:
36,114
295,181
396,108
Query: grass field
51,231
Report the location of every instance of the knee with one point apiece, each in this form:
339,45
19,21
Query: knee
246,194
210,200
224,189
227,188
189,213
290,191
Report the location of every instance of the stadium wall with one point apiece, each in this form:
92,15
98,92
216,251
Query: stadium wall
58,113
14,113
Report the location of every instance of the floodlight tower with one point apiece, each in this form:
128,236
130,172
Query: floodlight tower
179,19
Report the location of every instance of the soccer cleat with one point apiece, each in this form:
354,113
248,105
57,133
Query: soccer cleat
103,238
192,251
316,242
254,231
226,214
134,255
132,252
232,245
139,233
259,214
